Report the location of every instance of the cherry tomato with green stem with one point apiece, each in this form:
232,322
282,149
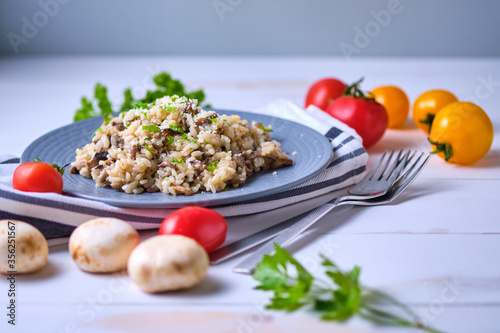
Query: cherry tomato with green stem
37,177
204,225
323,92
367,117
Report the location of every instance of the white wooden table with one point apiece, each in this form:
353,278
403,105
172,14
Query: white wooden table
437,248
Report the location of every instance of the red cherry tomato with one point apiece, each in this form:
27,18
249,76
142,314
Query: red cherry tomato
204,225
323,92
37,177
366,116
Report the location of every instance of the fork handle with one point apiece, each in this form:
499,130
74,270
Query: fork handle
285,237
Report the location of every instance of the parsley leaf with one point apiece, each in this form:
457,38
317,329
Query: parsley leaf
151,128
170,140
214,120
86,111
150,149
273,273
339,299
212,166
177,160
101,95
165,86
128,100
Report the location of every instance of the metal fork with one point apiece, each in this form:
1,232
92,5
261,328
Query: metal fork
231,250
378,182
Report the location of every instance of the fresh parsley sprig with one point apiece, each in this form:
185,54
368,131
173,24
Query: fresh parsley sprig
165,86
338,299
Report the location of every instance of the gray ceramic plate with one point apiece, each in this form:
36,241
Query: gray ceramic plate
314,152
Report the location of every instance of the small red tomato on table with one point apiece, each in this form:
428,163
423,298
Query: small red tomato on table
367,117
323,92
37,177
204,225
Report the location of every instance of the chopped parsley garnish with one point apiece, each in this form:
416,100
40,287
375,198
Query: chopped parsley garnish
170,140
101,95
212,166
99,130
151,128
145,114
146,138
150,149
123,114
174,98
127,124
168,108
177,160
137,144
214,120
206,142
185,137
265,129
165,86
176,127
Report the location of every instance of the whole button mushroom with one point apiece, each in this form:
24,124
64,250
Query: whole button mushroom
167,262
103,245
30,247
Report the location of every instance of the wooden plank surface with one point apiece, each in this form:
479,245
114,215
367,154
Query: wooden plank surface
437,247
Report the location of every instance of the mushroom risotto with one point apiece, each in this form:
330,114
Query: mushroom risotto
174,146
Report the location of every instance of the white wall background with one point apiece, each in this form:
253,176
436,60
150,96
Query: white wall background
251,27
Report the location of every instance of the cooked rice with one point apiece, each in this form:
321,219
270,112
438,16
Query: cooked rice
176,147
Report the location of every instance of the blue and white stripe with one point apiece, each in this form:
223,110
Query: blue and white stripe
57,215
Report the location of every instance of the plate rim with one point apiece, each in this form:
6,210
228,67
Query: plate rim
207,202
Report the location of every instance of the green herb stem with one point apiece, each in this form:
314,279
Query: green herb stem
444,148
338,299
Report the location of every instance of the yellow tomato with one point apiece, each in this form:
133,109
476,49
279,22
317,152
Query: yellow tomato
395,102
428,104
461,133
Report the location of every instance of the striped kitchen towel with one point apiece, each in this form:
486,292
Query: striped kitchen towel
56,215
